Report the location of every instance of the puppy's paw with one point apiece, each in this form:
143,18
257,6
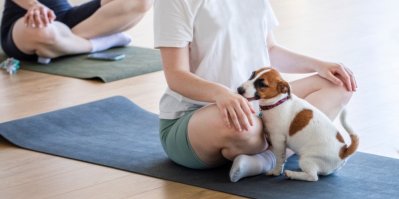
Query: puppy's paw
288,174
269,173
275,172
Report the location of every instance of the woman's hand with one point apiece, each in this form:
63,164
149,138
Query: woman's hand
339,75
38,16
235,109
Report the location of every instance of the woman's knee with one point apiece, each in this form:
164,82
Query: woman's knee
144,5
42,36
342,94
30,39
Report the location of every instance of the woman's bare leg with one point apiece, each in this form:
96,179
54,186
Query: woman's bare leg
214,142
52,41
321,93
113,16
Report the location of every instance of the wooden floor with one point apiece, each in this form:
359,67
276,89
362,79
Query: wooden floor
363,34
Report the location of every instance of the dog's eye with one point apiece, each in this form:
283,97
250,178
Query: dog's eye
253,75
263,85
260,83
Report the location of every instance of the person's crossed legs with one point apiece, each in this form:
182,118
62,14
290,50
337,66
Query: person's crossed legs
100,31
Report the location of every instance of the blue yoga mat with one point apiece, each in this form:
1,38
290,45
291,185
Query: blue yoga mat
115,132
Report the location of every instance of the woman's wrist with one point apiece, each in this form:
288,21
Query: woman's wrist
26,4
319,65
33,3
220,91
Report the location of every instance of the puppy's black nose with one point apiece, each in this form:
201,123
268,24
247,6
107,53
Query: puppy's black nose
240,90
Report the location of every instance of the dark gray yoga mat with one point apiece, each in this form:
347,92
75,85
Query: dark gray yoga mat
115,132
138,61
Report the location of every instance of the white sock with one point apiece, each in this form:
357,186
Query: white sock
109,41
250,165
43,60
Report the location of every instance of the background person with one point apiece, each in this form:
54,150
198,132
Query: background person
40,30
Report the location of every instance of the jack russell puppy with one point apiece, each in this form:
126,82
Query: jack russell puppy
294,123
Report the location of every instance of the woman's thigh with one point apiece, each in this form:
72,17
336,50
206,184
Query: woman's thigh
214,142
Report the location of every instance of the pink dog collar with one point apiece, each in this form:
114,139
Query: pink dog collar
265,108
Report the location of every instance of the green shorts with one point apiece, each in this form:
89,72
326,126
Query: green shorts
175,142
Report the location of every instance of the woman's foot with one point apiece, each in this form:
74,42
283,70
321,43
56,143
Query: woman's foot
250,165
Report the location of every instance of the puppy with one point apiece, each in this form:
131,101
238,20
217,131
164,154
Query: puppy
292,122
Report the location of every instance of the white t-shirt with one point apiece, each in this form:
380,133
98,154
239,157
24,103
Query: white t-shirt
227,41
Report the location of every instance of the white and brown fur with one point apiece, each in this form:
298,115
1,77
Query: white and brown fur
298,125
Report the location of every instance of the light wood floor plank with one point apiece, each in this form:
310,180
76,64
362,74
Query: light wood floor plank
64,182
123,187
35,170
176,190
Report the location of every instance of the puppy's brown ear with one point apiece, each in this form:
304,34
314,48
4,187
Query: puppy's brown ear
284,87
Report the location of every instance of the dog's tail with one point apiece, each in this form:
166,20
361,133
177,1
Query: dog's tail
348,150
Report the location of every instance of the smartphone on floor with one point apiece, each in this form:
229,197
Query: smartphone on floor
107,56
